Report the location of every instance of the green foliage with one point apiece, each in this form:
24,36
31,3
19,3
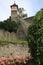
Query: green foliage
9,25
16,41
21,13
35,37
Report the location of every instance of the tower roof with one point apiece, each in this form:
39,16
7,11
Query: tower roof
14,5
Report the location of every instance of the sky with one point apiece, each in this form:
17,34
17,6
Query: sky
31,7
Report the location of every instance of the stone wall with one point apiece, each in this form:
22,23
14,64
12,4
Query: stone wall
5,35
20,33
14,50
29,19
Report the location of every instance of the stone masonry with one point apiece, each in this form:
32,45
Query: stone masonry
14,50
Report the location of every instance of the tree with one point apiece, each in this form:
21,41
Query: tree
9,25
35,38
21,13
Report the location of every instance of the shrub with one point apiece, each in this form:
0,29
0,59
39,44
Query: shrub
35,38
17,60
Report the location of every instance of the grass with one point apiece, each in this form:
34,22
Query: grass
5,42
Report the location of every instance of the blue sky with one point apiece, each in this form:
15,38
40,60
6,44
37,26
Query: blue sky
31,7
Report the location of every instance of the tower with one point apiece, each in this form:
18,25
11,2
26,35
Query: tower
14,9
